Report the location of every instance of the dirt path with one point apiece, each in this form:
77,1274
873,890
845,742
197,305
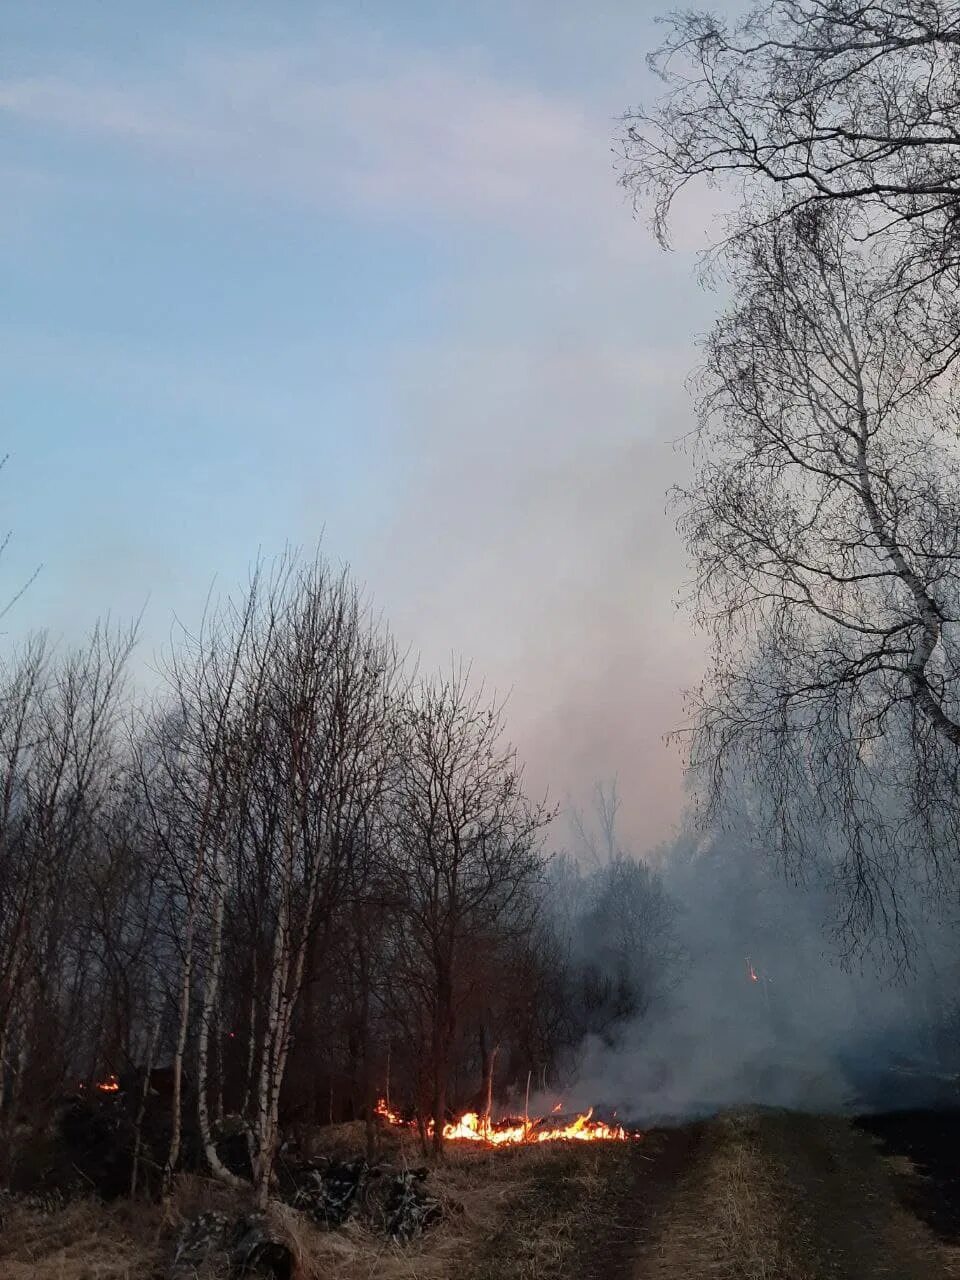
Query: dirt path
583,1210
781,1196
649,1180
845,1206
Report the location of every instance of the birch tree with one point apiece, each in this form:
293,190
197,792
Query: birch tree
192,771
819,104
465,847
58,730
824,521
330,678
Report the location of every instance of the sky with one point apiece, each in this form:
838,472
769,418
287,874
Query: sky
359,272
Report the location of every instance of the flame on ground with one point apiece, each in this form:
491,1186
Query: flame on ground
583,1129
391,1117
472,1127
110,1085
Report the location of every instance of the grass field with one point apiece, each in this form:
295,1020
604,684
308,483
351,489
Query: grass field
753,1195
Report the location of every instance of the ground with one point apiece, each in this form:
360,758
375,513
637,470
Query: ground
753,1195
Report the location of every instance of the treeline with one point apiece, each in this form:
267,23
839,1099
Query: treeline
300,876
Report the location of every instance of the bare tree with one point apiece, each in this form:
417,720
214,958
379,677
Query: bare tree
21,866
824,519
291,858
820,104
190,789
465,847
596,832
60,773
831,100
331,675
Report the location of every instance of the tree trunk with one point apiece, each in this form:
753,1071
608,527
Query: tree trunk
266,1139
3,1067
251,1041
489,1068
176,1105
441,1044
210,993
422,1105
142,1105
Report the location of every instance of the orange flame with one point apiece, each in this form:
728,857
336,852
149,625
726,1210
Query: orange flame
391,1117
751,972
472,1127
110,1085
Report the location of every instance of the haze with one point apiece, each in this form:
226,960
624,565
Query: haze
277,272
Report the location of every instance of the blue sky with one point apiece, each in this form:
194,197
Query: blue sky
272,271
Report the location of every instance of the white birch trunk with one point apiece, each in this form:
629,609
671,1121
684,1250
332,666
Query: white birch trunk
210,993
265,1138
142,1107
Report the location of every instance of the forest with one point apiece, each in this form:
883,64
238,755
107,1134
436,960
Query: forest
300,877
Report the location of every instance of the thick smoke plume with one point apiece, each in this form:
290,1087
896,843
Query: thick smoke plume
748,991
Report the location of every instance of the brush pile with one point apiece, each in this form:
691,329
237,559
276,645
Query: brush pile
248,1243
386,1199
330,1193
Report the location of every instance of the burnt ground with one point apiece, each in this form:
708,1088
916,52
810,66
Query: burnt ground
930,1141
841,1207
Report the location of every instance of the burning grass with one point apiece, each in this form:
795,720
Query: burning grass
515,1131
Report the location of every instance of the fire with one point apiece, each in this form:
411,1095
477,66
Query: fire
751,972
110,1085
472,1127
391,1117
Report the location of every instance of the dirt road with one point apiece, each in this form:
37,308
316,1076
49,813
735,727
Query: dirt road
775,1194
758,1195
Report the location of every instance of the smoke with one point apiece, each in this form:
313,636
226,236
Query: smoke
758,1000
533,539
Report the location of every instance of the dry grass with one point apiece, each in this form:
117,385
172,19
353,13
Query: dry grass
510,1213
570,1211
195,1193
782,1196
84,1241
725,1217
746,1201
481,1190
